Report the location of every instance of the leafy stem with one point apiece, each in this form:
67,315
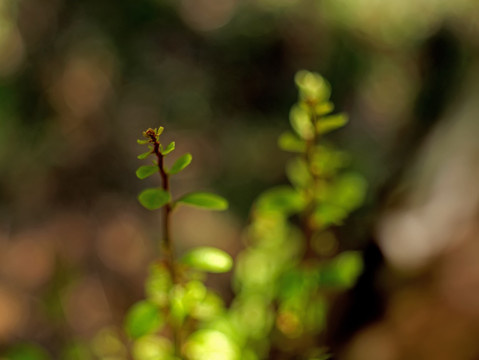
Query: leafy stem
174,298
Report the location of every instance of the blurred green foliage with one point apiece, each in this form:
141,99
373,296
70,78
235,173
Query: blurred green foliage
78,79
286,276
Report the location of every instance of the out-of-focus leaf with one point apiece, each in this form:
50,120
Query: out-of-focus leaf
158,284
107,344
142,142
208,259
144,155
330,123
143,318
283,199
182,162
328,214
349,191
204,200
27,352
169,148
342,271
312,86
208,308
324,108
298,173
211,344
154,198
301,122
153,348
178,308
290,142
146,170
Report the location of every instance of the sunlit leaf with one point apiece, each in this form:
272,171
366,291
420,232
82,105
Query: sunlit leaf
301,122
146,170
143,318
160,130
204,200
142,142
178,308
152,348
144,155
154,198
210,306
290,142
282,199
211,344
208,259
330,123
180,163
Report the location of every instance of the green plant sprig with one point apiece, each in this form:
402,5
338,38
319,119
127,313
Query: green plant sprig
296,267
177,301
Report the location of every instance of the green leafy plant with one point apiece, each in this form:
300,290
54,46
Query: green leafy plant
292,264
167,324
285,278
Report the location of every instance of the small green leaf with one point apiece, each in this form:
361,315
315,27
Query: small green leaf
290,142
342,271
144,155
324,108
312,86
349,191
154,198
301,122
208,259
282,199
330,123
204,200
146,170
143,318
159,131
181,163
169,148
142,142
158,284
152,348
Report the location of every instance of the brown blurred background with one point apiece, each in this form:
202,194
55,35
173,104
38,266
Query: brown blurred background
79,81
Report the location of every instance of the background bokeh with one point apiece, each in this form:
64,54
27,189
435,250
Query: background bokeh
80,81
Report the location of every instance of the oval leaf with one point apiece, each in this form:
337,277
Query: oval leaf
143,318
290,142
181,163
282,199
153,347
301,122
330,123
208,259
169,148
146,170
154,198
204,200
144,155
